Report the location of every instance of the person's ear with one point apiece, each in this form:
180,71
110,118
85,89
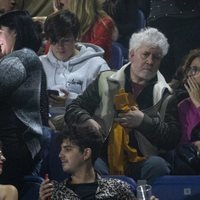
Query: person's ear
14,33
131,54
87,153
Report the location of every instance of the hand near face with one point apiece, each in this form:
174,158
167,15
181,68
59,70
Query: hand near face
193,89
130,119
197,144
46,190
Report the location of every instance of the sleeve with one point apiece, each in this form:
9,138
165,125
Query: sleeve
104,67
83,107
12,74
124,191
164,134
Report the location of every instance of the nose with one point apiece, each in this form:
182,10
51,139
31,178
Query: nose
149,59
60,155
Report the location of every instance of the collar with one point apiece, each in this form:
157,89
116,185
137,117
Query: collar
122,76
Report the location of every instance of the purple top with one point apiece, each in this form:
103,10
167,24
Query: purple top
189,117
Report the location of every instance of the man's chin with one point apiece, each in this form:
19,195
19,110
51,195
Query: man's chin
148,76
66,170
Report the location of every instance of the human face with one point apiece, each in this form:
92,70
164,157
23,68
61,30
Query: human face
6,5
7,40
145,62
71,158
2,160
195,69
64,48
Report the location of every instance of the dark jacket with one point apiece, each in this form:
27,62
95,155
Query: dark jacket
23,93
107,188
160,132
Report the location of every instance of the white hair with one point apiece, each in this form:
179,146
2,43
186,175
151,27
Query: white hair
149,36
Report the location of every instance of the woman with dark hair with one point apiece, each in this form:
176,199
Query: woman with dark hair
21,23
23,102
186,86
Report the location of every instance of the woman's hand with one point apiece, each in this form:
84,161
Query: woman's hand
197,144
193,88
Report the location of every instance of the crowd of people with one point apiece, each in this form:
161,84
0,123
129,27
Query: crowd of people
141,121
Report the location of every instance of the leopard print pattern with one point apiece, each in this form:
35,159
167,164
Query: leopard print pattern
108,188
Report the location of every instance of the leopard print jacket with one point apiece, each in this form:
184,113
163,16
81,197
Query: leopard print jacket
108,188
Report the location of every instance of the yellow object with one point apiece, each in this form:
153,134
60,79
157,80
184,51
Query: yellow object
119,151
121,101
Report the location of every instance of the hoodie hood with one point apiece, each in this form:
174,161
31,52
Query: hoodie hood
86,51
75,74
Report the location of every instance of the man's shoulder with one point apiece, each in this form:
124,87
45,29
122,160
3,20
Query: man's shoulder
25,52
117,187
114,182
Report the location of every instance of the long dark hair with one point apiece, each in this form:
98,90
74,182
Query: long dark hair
22,23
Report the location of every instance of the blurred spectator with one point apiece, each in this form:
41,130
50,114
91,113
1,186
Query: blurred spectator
70,66
39,25
24,103
7,192
7,5
125,15
186,85
35,7
179,20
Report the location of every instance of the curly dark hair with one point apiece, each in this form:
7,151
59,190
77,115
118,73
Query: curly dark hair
84,137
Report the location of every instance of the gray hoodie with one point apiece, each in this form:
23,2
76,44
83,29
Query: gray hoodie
78,72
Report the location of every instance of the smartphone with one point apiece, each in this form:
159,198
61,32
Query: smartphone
53,92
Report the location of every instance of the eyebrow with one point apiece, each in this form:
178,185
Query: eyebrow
68,146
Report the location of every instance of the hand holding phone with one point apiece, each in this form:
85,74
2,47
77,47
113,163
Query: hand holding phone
53,92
